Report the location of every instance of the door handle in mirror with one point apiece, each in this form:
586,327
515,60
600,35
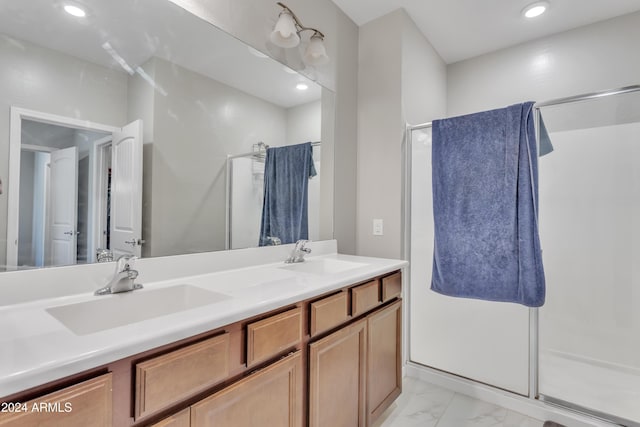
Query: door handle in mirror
134,242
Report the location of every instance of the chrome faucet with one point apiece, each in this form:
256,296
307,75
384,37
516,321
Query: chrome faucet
123,278
298,252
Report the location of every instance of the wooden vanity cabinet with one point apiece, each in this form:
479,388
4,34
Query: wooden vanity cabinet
86,404
355,372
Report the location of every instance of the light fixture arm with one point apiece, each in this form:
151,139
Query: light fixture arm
299,27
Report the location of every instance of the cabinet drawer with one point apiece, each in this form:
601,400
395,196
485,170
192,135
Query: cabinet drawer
269,337
167,379
364,297
87,404
391,286
329,312
181,419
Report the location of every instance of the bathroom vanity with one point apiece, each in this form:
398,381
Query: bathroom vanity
316,343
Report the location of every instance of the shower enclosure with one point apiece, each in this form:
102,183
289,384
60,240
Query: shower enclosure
581,350
589,329
245,194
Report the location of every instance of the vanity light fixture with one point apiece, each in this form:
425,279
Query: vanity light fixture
74,10
286,33
535,9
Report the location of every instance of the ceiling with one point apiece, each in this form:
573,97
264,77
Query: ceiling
138,30
462,29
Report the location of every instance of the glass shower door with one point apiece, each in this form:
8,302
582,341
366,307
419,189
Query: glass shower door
589,328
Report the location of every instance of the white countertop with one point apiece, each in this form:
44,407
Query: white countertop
36,348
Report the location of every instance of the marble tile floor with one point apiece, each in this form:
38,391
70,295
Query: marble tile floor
426,405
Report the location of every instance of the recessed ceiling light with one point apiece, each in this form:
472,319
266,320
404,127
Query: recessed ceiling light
535,9
302,86
75,10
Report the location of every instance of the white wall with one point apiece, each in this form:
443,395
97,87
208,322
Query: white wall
55,87
401,78
587,59
247,195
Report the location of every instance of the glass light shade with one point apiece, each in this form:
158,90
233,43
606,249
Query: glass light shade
284,33
315,54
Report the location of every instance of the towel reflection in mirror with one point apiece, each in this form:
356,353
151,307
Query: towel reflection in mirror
286,189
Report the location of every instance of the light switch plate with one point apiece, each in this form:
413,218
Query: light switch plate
378,227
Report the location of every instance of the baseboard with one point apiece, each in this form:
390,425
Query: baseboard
531,407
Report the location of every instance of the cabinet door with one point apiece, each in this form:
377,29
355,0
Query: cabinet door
87,404
181,419
269,397
384,378
337,369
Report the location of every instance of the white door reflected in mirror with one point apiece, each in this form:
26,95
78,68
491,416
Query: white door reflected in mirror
79,190
61,239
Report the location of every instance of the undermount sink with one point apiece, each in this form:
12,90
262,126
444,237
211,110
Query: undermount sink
322,266
107,312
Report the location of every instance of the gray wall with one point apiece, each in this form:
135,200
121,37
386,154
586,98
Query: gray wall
196,125
55,87
26,253
401,79
346,135
141,96
304,123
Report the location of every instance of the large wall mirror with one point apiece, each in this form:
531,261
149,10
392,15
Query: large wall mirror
141,128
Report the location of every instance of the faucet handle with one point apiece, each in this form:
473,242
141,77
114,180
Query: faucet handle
125,262
300,246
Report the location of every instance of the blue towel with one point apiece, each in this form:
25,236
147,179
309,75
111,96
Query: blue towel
286,182
485,193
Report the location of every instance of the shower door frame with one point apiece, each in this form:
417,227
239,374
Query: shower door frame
533,394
